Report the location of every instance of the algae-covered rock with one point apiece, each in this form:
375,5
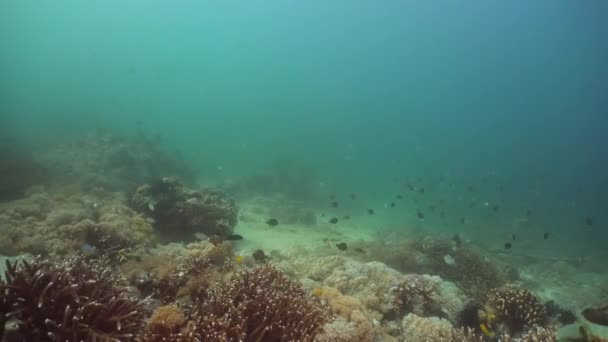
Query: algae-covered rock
180,212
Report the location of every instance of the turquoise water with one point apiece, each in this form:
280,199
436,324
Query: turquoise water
360,96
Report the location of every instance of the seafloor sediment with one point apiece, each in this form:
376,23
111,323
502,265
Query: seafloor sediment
129,249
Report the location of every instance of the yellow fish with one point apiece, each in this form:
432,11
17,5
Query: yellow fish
484,329
239,259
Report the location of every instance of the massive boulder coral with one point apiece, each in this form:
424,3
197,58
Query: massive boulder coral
180,212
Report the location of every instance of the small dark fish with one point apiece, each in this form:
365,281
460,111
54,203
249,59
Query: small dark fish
528,212
420,214
234,237
346,217
589,221
359,250
508,245
513,237
431,207
353,196
471,188
272,222
333,220
335,204
457,240
259,255
399,196
392,204
370,211
496,208
463,220
546,236
421,191
411,187
342,246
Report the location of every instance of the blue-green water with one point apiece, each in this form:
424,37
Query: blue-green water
363,96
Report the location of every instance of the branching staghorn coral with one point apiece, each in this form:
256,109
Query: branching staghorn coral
67,301
260,304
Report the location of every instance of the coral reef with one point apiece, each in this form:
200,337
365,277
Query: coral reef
416,295
180,212
470,270
428,329
433,329
257,304
177,272
338,330
363,320
513,310
68,301
62,222
114,162
370,282
168,324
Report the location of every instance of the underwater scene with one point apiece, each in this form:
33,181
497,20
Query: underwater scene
317,171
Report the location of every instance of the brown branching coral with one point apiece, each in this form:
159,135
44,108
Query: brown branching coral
68,301
184,277
514,310
260,304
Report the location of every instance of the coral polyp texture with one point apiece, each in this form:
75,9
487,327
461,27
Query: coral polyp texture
180,212
514,310
67,301
415,295
261,304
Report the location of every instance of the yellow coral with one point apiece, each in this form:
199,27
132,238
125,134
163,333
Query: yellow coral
167,319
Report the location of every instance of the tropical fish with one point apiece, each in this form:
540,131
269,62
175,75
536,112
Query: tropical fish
272,222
